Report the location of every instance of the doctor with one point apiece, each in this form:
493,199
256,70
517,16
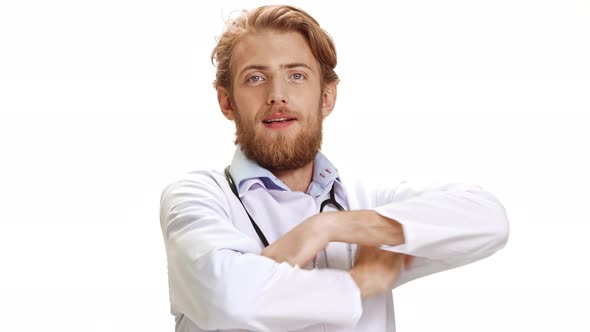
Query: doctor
283,241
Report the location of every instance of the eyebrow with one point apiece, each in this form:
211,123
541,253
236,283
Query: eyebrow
284,66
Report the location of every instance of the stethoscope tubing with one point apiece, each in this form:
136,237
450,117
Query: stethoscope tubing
326,202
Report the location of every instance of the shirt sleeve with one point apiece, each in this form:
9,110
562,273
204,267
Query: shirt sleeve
218,279
445,226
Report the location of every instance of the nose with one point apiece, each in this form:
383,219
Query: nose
277,93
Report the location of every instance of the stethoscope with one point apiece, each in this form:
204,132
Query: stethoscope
326,202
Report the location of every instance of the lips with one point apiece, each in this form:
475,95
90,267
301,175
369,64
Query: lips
278,121
278,117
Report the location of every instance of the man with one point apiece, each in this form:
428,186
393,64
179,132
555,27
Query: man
249,250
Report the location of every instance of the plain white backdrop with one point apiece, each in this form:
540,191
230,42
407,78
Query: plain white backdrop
102,103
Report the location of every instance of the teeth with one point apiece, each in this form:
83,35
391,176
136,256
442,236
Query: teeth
276,120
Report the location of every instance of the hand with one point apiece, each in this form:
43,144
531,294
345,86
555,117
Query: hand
301,244
376,270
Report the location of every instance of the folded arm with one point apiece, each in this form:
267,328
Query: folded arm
363,227
219,280
441,227
444,226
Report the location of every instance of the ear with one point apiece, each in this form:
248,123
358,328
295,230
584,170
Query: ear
224,100
328,98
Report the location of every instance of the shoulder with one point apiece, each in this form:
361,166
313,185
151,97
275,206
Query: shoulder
204,187
200,179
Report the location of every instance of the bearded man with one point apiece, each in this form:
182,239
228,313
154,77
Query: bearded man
279,240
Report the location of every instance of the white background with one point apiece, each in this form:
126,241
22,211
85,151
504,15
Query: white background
102,103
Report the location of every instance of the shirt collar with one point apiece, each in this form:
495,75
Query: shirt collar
243,169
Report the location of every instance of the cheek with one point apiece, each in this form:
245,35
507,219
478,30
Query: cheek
251,99
247,104
313,100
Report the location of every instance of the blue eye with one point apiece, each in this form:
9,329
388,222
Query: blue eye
255,79
298,76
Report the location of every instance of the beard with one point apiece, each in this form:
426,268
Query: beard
279,150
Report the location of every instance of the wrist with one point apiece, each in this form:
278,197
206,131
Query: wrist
324,226
348,226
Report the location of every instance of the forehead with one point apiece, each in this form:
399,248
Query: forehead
272,49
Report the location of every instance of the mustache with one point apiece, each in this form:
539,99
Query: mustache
279,109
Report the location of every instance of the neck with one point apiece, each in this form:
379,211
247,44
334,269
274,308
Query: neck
296,179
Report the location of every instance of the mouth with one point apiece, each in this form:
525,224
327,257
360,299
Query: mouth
278,121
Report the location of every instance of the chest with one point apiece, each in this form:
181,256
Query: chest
277,212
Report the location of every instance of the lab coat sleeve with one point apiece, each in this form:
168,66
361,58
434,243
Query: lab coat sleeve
219,280
445,226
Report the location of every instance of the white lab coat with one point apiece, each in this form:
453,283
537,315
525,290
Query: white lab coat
218,280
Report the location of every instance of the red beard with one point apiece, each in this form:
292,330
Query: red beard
279,151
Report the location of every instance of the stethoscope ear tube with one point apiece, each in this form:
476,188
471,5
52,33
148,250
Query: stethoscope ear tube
331,200
232,185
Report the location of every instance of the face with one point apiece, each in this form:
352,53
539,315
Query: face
277,101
